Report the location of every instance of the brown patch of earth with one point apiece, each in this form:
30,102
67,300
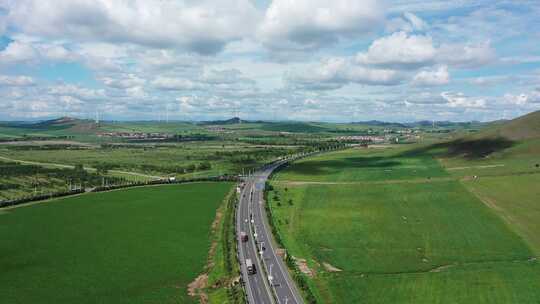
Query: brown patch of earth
304,268
195,288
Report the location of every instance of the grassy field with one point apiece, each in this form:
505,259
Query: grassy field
142,245
364,165
506,182
392,226
517,199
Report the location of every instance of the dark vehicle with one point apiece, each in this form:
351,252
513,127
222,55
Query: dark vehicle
250,267
243,236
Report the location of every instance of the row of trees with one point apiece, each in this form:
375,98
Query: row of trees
75,176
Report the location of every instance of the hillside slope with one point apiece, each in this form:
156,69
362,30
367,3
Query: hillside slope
519,129
74,124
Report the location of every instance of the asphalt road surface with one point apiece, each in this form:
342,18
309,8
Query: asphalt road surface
272,282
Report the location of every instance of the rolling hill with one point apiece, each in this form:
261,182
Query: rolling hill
65,122
519,129
520,133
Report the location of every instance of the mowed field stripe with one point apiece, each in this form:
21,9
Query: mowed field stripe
383,182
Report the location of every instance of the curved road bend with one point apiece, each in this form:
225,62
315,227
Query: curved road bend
251,218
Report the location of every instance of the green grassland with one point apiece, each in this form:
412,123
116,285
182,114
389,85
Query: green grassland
402,230
364,165
521,157
516,198
142,245
506,179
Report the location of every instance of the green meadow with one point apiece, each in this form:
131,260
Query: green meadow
360,164
393,226
142,245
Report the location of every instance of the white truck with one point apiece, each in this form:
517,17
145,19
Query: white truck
250,267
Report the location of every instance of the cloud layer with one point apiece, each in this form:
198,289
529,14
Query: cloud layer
335,60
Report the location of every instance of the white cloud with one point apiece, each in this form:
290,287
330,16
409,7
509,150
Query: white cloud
168,59
77,92
57,53
400,50
334,73
17,52
16,81
310,24
200,26
124,81
408,23
144,53
489,80
21,51
466,55
174,84
438,76
226,76
459,100
532,97
136,92
417,23
408,51
519,100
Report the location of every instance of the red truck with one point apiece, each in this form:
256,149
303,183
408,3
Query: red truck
243,236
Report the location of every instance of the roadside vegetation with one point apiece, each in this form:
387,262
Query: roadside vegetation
223,285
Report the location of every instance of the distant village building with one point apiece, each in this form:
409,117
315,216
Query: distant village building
137,135
362,138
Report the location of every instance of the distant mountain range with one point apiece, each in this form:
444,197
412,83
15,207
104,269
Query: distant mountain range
231,121
86,124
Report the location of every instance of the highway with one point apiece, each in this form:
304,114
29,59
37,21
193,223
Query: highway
272,282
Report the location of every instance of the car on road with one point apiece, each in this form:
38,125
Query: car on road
243,236
250,267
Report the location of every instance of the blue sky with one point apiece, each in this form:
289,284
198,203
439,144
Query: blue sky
340,60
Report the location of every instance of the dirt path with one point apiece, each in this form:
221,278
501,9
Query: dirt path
383,182
475,167
442,268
